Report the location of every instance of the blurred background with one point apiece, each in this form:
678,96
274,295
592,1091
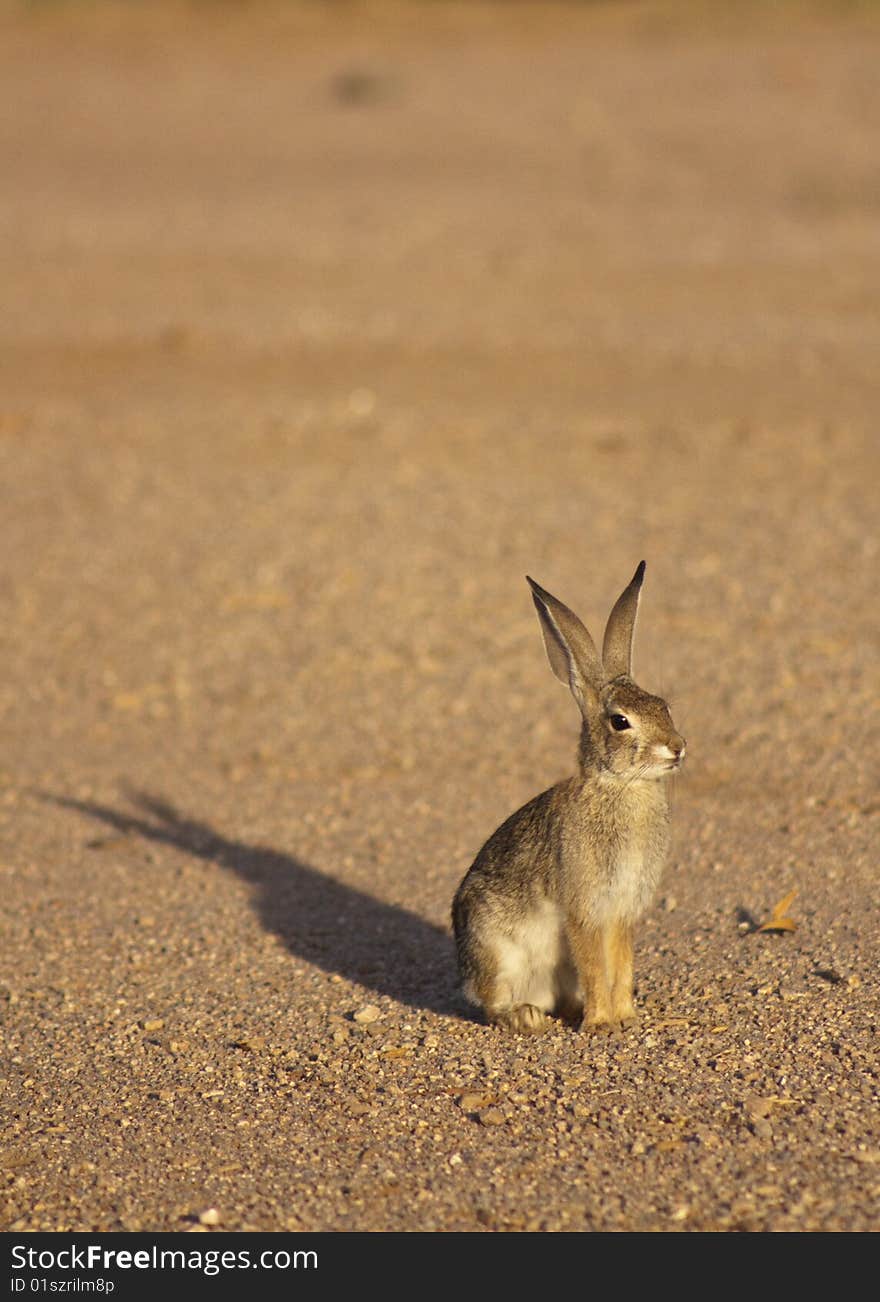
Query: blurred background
324,323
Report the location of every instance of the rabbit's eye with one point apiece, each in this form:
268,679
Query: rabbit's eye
619,722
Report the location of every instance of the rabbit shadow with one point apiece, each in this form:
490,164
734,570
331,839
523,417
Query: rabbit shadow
320,920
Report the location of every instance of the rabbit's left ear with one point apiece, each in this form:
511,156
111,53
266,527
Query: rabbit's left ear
570,649
617,643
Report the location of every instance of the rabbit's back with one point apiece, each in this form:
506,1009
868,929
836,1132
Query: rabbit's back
506,913
519,858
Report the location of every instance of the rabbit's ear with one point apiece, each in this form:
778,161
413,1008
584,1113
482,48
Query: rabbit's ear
617,643
570,649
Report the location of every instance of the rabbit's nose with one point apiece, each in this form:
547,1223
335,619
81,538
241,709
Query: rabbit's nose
678,746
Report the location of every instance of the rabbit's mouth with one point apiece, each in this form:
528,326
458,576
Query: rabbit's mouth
669,758
657,769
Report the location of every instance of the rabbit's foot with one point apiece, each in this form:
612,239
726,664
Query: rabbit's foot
523,1018
622,1011
598,1026
608,1025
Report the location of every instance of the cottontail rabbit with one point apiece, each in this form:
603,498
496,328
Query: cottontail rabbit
544,917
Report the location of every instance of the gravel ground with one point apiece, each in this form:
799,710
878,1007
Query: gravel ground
321,328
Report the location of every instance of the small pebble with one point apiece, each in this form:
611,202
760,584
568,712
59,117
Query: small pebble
369,1013
757,1107
252,1042
474,1102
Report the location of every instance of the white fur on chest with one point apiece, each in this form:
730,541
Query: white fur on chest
627,889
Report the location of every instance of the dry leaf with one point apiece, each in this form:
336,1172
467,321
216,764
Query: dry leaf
779,919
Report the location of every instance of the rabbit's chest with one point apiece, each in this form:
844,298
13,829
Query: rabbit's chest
620,887
612,877
630,880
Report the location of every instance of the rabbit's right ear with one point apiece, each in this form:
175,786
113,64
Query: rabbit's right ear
617,644
570,649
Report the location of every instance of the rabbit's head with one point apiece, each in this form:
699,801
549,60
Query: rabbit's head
627,732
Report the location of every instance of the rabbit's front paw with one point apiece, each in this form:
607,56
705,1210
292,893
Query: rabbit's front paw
597,1026
623,1013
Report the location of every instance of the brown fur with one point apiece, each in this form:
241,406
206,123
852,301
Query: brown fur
544,917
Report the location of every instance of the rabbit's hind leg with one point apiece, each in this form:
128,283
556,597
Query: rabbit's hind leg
522,992
516,981
495,995
524,1019
489,986
510,965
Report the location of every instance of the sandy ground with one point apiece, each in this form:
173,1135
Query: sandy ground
321,327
